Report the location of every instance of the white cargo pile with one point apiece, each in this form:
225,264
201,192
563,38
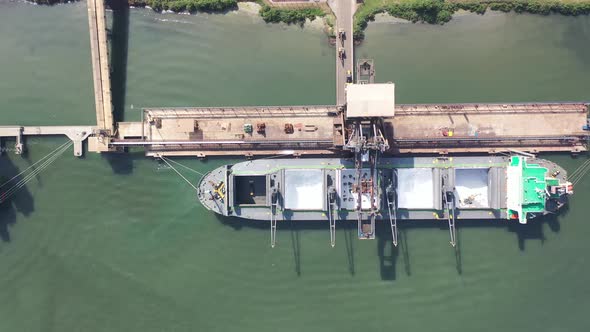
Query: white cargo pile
471,185
304,189
415,188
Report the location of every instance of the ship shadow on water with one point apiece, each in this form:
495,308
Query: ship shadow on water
22,202
388,253
295,227
119,42
391,256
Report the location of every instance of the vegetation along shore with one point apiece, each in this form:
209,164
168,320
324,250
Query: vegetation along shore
441,11
428,11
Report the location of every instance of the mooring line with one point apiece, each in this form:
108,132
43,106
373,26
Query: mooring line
177,172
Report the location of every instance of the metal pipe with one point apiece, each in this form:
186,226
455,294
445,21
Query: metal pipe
489,139
212,142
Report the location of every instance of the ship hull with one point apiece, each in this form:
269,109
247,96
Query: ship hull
418,188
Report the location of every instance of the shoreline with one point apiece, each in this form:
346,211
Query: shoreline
377,11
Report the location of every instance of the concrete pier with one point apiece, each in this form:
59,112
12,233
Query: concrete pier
100,65
210,131
489,128
321,130
75,133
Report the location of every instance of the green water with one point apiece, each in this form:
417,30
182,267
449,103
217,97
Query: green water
120,243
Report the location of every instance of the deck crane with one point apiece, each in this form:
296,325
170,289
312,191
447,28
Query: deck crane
367,141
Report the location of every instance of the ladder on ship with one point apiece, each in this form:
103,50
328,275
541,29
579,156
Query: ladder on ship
332,215
449,198
273,216
390,194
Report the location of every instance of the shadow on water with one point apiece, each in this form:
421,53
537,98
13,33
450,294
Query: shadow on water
22,202
295,227
122,163
296,244
349,237
458,262
119,50
119,42
532,230
402,238
388,254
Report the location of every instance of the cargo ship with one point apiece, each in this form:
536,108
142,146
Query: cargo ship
513,187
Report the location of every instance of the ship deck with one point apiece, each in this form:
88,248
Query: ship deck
479,184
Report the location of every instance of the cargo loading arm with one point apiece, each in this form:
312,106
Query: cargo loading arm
390,195
274,198
332,215
367,141
449,198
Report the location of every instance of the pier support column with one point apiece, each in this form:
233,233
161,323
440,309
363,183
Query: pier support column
18,147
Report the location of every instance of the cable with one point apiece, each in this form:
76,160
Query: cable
35,172
579,170
33,165
179,164
177,172
579,176
38,170
48,161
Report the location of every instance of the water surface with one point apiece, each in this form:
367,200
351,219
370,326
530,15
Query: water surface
119,243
